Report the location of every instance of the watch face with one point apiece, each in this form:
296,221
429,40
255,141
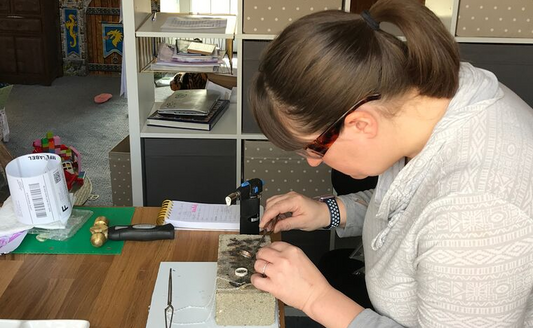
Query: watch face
323,198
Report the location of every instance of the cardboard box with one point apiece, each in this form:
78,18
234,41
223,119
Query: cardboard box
272,16
284,171
227,81
494,18
120,169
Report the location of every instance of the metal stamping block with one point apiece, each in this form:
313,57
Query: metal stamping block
238,302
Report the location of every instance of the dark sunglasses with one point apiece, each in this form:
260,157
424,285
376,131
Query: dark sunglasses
318,148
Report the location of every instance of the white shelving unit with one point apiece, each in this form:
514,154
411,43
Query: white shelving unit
140,90
494,40
138,26
152,28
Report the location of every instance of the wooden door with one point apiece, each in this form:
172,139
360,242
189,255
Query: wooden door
26,7
4,7
30,56
8,60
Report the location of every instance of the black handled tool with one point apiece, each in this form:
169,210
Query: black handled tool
141,232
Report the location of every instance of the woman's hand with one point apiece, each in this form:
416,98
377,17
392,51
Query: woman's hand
306,213
287,273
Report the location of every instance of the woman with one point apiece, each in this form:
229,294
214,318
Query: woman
448,230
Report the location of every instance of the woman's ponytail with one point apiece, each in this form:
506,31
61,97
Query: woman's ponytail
432,54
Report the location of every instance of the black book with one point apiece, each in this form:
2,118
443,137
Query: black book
190,122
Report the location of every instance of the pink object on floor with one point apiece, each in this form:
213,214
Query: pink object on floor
102,98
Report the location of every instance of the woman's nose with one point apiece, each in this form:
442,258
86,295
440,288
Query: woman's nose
314,162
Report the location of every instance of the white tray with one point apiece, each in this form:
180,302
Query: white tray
44,323
193,284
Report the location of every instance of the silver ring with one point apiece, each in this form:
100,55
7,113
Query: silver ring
264,268
241,272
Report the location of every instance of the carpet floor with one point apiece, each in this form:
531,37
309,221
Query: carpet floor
67,109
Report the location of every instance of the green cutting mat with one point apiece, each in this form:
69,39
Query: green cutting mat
80,243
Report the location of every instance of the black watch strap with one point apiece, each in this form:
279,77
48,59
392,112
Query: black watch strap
334,212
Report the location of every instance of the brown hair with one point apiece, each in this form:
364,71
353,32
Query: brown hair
323,63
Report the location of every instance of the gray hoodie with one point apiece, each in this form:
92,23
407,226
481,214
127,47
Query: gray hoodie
448,237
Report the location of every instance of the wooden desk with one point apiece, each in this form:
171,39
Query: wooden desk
108,291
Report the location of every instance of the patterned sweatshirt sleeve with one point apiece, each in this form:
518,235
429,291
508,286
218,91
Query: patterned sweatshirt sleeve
369,318
474,264
356,205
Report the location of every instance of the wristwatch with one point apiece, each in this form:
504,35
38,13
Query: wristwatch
334,213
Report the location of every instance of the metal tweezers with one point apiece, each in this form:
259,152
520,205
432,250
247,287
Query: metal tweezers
270,227
169,310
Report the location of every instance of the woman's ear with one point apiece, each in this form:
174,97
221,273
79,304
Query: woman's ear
362,122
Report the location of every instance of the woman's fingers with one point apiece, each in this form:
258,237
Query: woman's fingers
262,283
271,252
277,205
268,260
306,213
260,266
270,201
287,273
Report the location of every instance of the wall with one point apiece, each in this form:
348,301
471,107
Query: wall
73,37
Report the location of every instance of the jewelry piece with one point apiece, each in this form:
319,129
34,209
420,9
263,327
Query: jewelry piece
264,269
241,272
246,254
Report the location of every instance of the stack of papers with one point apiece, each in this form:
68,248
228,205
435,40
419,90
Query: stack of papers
12,232
197,109
193,23
194,122
170,58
